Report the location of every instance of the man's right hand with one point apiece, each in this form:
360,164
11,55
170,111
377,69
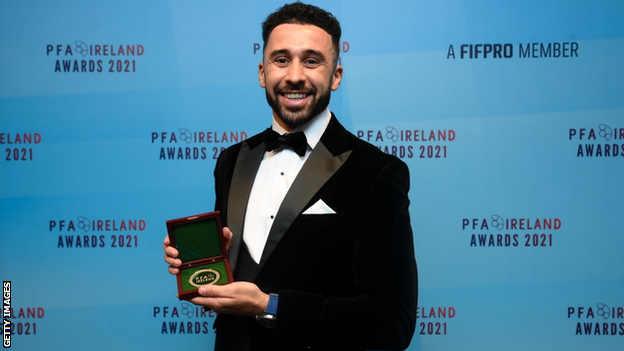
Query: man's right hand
171,256
171,253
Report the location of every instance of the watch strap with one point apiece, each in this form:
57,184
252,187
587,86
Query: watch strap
272,305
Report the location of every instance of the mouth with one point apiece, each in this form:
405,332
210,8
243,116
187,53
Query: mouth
295,100
295,96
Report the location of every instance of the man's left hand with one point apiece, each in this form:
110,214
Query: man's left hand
240,298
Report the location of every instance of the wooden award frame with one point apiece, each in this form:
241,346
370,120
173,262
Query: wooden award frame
201,246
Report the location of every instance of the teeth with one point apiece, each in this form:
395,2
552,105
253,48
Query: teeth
295,96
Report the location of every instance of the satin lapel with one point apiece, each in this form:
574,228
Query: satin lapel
317,170
247,164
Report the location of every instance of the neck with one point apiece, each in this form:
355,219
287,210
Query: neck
282,124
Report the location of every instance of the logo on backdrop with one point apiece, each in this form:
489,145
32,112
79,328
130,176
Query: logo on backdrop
26,320
186,144
599,319
83,232
508,51
82,57
602,141
19,146
184,319
410,143
498,231
434,320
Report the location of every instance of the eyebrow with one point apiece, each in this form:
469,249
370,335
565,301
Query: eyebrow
307,52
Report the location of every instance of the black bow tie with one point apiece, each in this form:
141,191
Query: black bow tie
296,141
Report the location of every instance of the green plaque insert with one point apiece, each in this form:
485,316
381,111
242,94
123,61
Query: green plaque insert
201,246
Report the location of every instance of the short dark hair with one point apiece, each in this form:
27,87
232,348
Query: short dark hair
299,13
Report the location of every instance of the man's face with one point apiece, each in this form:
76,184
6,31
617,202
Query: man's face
298,73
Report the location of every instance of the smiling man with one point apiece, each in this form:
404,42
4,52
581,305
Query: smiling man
298,71
319,231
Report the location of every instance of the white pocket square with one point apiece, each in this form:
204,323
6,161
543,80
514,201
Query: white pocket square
320,207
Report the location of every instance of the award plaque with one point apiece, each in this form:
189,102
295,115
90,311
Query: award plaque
201,246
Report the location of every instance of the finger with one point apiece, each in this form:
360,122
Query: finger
173,270
212,296
208,302
172,252
213,291
227,235
172,261
166,241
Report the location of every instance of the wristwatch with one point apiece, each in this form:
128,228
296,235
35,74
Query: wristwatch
268,318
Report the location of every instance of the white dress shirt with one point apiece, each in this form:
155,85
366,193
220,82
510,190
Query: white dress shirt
276,173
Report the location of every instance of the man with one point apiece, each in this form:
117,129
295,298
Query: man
325,232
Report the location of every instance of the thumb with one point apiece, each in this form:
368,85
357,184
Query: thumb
227,235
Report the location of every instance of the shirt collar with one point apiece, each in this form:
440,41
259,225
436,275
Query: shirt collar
313,129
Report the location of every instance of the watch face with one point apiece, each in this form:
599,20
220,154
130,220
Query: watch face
266,320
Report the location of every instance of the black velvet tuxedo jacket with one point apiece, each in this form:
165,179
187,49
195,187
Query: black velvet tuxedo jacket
346,281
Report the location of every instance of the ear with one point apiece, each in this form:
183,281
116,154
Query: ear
261,76
337,78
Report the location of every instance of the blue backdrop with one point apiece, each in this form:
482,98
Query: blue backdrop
509,114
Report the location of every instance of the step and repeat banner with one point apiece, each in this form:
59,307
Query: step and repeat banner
510,115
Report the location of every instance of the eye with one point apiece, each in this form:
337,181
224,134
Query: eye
281,61
312,62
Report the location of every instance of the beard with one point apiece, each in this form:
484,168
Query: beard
295,117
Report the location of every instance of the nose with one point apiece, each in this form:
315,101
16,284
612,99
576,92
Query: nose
296,73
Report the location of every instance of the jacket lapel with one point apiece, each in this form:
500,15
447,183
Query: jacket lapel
318,169
247,164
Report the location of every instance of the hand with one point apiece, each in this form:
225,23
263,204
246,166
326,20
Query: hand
240,298
171,256
171,253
